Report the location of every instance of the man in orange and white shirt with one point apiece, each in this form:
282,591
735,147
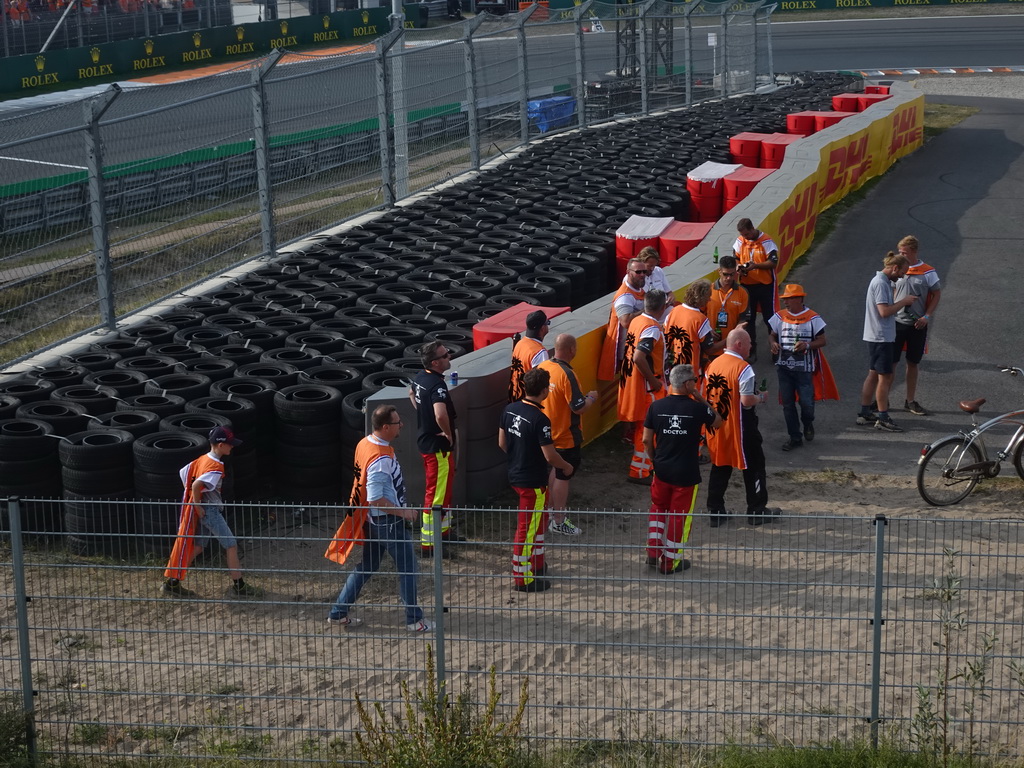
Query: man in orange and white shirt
528,352
758,256
797,334
641,380
731,389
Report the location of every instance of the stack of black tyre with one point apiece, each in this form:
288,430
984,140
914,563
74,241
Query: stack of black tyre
30,469
309,465
289,354
96,467
158,457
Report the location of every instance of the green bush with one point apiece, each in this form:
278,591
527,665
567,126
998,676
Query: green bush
432,731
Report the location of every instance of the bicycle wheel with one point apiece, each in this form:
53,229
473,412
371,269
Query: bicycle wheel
940,479
1018,459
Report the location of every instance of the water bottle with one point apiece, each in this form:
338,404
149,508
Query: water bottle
763,390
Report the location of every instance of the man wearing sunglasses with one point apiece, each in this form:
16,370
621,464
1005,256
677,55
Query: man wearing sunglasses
435,419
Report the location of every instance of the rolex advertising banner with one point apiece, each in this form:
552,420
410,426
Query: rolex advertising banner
143,56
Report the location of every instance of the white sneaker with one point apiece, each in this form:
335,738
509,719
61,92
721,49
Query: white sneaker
566,527
420,626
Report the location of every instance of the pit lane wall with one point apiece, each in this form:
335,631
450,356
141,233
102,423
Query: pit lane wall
136,58
817,172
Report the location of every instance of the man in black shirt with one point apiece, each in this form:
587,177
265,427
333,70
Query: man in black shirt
672,431
435,418
525,435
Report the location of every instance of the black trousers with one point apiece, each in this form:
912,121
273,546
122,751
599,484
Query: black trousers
762,296
755,477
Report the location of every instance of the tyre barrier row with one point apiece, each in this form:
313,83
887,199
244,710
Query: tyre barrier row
289,353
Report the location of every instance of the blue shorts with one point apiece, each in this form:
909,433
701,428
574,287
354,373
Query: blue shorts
880,354
215,526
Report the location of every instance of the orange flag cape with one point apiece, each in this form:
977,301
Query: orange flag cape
351,531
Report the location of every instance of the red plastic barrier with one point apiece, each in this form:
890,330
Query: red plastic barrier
745,148
773,150
865,100
824,119
680,238
801,122
845,102
741,183
507,323
876,89
636,233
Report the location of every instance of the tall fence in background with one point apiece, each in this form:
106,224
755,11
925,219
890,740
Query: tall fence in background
804,630
118,201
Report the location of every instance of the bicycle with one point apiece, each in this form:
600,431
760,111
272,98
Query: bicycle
950,468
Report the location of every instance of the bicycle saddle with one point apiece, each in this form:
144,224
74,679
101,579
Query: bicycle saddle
972,406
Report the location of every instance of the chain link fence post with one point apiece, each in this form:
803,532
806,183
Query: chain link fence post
384,109
93,110
21,617
768,44
644,55
261,142
472,116
880,522
524,77
724,25
441,665
581,74
688,53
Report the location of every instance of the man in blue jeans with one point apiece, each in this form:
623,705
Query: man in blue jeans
797,332
379,493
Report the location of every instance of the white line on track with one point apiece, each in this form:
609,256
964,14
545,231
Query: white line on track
43,162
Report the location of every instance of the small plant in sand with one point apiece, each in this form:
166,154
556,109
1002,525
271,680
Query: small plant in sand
933,726
434,731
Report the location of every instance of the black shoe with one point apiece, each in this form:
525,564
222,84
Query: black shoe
652,562
457,538
790,444
717,519
537,585
677,567
809,432
760,516
426,552
639,480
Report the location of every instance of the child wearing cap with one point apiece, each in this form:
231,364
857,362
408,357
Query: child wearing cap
202,506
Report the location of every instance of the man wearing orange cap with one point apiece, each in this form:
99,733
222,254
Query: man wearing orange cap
797,333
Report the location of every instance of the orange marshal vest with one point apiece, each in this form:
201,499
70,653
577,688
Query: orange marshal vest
682,329
733,302
634,397
722,390
610,360
750,252
181,553
353,527
522,361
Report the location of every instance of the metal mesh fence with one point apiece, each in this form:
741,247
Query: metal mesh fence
129,196
803,631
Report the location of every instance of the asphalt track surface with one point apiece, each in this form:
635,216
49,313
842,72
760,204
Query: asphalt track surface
961,195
